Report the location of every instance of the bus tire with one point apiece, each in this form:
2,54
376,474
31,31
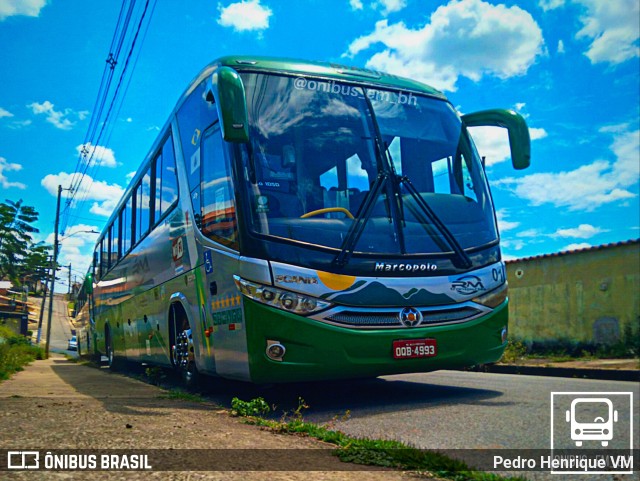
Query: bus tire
112,360
182,350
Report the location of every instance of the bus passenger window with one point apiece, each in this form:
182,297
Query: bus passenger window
166,181
131,206
115,241
126,227
142,204
218,202
104,257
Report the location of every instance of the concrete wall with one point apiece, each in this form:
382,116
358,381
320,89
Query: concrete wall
587,296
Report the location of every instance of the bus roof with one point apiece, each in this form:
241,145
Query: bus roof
335,71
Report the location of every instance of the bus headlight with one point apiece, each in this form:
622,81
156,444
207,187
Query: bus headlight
279,298
494,298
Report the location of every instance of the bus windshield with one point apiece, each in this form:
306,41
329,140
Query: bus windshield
319,147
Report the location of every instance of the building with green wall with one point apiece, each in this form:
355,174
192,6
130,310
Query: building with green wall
588,295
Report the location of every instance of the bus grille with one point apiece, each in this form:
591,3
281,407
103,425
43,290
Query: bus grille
390,319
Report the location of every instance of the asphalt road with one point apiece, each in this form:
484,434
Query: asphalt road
445,409
60,327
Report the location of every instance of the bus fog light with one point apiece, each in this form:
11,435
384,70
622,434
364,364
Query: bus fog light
504,335
275,350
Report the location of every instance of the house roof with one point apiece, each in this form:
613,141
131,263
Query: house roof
585,249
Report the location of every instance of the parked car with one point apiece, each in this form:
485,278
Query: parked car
72,345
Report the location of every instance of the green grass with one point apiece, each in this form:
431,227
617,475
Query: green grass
15,352
371,452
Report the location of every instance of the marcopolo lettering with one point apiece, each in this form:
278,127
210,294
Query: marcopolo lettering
384,267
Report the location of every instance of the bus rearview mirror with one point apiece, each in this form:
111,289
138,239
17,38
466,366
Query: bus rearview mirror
519,139
227,90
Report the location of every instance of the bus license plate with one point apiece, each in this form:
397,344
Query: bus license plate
412,348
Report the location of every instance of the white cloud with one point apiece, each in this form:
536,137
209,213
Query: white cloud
589,186
29,8
575,247
512,244
613,28
104,195
8,167
97,155
503,224
583,231
550,4
530,233
5,113
356,4
18,124
493,142
76,246
561,47
57,118
245,16
390,6
469,38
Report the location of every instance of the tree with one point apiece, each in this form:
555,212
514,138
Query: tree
16,241
35,265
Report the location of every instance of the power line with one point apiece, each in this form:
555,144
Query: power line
92,142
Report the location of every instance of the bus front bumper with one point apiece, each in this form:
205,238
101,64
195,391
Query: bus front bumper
320,351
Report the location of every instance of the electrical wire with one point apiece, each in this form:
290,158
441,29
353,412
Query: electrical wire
99,119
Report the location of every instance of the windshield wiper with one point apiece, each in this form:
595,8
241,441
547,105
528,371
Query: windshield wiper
465,261
358,224
385,172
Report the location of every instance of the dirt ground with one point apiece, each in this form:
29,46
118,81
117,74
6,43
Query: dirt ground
58,404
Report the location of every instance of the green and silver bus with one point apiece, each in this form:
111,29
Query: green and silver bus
300,221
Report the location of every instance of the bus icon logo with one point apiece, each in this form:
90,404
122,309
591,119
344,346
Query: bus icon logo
591,419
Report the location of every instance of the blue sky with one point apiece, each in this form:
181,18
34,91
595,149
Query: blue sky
571,67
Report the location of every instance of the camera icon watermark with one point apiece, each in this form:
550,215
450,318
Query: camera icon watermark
591,422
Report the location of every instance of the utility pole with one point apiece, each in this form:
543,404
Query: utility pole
69,294
53,272
44,298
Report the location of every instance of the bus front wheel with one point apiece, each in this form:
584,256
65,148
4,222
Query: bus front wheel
182,351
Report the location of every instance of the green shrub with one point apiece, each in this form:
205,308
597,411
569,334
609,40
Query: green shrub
255,407
514,351
15,352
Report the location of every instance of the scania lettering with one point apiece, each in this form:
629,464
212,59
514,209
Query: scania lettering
299,221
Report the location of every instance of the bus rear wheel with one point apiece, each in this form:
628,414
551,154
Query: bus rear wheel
111,357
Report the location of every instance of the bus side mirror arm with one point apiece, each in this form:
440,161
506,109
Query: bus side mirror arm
519,139
226,89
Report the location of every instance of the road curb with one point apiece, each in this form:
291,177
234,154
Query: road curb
602,374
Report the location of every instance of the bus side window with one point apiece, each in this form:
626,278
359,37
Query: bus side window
104,257
218,200
115,241
166,181
134,217
126,227
143,204
194,116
